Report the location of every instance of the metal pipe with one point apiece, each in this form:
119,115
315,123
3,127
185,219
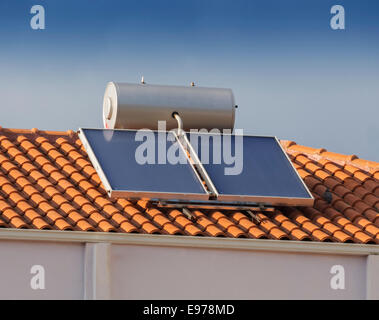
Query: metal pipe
180,122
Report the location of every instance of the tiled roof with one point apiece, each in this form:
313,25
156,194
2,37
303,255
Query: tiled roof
48,182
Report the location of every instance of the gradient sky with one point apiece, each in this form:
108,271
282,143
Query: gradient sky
291,74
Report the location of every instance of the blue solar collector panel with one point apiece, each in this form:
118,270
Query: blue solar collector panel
113,153
262,171
248,170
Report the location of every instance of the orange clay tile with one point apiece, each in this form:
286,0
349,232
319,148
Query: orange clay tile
245,223
171,229
106,226
235,232
75,216
320,235
28,167
72,192
367,226
110,209
192,230
175,214
57,176
39,223
214,231
89,171
161,220
83,225
225,223
204,222
182,221
331,183
36,175
303,174
371,215
48,182
59,199
97,217
77,177
299,235
365,164
257,233
82,163
302,159
62,224
312,167
237,216
48,168
128,227
67,208
9,214
18,223
88,209
217,215
341,190
54,154
303,149
363,237
54,216
153,212
140,219
267,224
102,201
278,234
94,194
16,197
287,143
342,236
7,166
351,214
75,155
119,218
22,182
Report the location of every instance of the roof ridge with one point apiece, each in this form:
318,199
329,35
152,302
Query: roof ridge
342,159
69,133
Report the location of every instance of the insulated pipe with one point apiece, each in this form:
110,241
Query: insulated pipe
141,106
180,122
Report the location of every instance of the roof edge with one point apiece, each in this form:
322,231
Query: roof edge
367,165
189,241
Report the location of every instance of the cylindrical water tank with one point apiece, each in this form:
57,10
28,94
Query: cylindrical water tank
141,106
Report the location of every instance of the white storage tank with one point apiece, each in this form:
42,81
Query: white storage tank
139,106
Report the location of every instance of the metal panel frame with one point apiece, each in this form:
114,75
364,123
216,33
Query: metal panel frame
133,194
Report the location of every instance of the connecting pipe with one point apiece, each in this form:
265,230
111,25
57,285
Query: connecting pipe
179,120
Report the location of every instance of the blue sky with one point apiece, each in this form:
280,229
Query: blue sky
291,74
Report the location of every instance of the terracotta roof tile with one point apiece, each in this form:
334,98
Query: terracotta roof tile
192,230
48,182
235,232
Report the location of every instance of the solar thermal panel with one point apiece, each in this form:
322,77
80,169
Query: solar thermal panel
114,155
250,169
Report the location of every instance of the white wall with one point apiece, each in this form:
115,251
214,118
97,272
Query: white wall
179,268
62,262
186,273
